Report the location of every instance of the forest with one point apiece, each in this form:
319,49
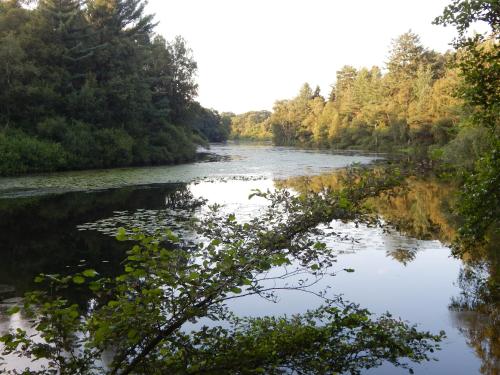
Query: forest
90,85
442,110
416,104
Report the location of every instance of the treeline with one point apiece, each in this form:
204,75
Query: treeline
411,104
87,84
254,125
443,109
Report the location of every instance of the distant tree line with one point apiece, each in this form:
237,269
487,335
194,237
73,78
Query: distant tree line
413,104
88,84
254,125
443,108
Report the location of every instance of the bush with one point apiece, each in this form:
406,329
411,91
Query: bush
151,319
466,148
442,131
53,128
113,147
80,144
21,153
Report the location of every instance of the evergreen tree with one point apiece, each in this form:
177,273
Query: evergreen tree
90,78
405,56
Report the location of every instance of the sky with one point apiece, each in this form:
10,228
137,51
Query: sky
251,53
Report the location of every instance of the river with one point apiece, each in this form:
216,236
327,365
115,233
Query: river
56,223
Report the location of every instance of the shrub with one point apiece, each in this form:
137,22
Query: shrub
21,153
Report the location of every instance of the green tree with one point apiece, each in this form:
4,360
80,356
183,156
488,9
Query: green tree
13,72
208,123
92,78
250,125
479,57
405,56
183,87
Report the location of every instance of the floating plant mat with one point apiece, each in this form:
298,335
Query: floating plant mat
179,208
226,161
148,221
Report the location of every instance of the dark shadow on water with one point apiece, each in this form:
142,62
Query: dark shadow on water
40,235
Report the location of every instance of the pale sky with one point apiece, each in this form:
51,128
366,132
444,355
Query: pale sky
251,53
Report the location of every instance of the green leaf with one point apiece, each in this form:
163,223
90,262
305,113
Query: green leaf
78,279
280,260
344,203
172,237
319,246
39,279
265,265
13,310
236,290
121,234
101,333
89,273
132,334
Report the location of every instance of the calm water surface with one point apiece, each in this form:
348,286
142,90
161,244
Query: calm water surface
59,222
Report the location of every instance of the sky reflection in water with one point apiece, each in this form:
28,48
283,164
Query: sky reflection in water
413,279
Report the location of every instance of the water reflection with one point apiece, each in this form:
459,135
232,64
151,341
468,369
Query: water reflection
404,270
241,161
422,209
40,234
479,281
403,256
482,333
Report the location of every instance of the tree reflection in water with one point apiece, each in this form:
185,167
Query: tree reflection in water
403,256
44,234
423,208
479,281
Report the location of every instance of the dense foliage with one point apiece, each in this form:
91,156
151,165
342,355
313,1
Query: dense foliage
87,84
251,126
480,70
441,108
412,103
208,123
